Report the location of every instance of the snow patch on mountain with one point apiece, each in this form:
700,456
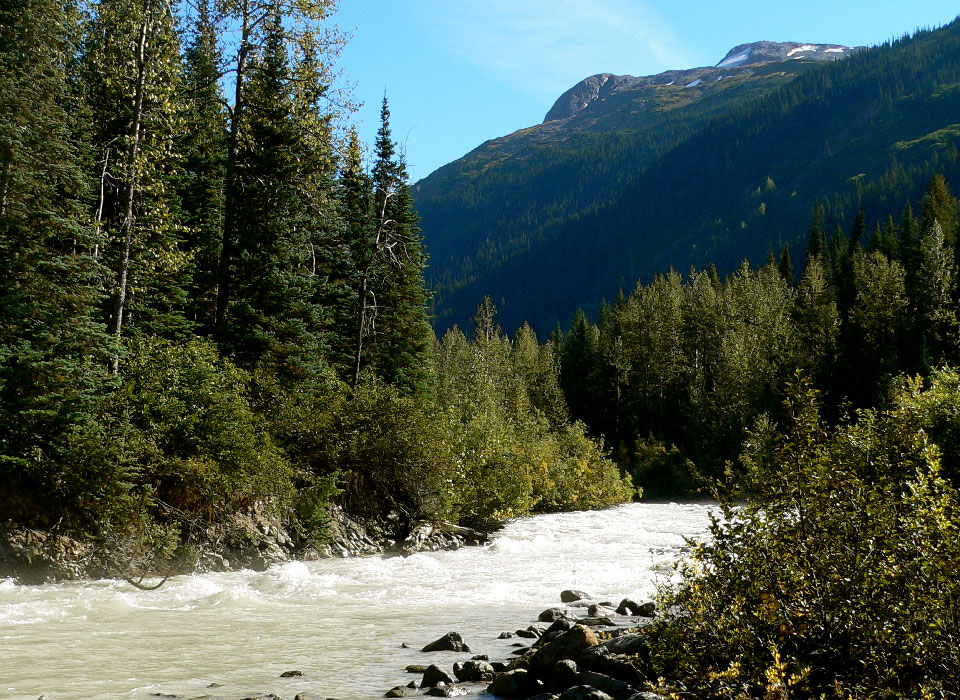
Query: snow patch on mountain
732,61
801,49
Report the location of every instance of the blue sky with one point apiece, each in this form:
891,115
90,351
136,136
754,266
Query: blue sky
459,72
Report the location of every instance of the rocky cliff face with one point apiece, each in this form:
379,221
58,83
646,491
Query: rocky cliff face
740,60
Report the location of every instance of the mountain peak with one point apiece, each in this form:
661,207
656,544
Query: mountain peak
772,51
739,60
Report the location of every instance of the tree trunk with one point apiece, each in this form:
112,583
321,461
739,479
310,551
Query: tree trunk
378,244
231,194
6,154
126,226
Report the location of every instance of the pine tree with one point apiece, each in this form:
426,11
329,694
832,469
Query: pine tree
939,205
252,25
859,230
936,318
202,147
785,265
355,199
817,322
53,349
910,249
817,240
392,307
273,316
578,366
327,231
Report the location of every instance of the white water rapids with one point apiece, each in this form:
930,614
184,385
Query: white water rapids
339,621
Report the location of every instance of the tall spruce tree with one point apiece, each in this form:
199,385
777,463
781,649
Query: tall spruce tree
53,348
939,205
392,306
202,147
251,20
273,315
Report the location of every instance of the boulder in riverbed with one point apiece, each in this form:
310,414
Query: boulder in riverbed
451,641
629,644
562,675
447,691
599,610
434,676
552,615
584,692
613,687
571,596
515,684
473,670
568,645
596,622
629,607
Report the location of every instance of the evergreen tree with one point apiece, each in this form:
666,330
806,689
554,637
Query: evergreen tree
328,239
785,265
578,367
355,199
859,230
936,319
888,240
817,324
876,322
202,146
910,249
392,306
53,348
253,21
817,239
939,205
274,315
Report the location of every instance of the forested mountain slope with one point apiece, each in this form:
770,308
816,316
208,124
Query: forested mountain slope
649,175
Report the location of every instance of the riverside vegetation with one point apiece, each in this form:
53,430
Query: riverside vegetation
210,309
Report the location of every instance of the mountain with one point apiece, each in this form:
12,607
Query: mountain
738,63
629,176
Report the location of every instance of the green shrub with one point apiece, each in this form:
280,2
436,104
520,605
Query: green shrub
840,581
388,447
182,423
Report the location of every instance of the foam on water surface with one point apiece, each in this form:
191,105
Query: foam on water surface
339,621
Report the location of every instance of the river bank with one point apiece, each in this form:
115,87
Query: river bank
254,539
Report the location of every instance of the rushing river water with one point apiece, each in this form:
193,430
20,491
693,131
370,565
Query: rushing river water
339,621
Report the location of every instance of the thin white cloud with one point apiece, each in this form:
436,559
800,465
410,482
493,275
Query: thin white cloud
548,45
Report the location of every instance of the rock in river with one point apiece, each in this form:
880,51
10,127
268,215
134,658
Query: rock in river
434,676
451,641
515,684
473,670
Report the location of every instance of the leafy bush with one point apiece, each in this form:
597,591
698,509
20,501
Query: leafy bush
182,423
388,447
839,581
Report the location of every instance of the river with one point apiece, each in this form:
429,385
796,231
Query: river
341,622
